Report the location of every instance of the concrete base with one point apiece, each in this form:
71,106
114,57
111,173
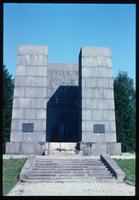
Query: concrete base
87,148
104,148
25,148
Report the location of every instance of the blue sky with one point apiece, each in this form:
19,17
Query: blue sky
65,28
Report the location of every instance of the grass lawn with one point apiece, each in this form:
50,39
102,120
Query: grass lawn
11,170
128,166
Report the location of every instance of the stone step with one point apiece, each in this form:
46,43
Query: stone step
68,160
38,175
57,179
70,181
70,171
71,174
67,170
69,163
99,176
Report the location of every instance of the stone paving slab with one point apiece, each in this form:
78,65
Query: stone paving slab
72,189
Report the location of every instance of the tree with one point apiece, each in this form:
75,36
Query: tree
124,95
8,87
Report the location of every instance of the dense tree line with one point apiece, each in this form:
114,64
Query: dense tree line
124,94
8,86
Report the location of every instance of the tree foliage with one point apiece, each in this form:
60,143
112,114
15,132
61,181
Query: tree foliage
124,94
8,86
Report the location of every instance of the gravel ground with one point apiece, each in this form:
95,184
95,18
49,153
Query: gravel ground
72,189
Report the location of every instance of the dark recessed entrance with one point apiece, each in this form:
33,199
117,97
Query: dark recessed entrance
63,113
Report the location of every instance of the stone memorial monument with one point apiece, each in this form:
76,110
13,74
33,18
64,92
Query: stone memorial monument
63,103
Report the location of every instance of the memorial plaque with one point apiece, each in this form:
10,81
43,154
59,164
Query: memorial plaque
99,128
27,127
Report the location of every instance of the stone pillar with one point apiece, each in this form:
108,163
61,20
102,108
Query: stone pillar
98,112
28,127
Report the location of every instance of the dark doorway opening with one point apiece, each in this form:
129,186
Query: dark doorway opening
63,115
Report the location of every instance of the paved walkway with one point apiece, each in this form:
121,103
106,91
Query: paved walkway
72,189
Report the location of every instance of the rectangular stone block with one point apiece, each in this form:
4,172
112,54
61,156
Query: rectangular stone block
16,136
39,81
41,137
98,103
98,137
87,126
30,92
19,91
35,92
27,81
109,115
86,71
95,51
38,103
17,113
86,136
104,82
90,82
12,147
97,115
20,70
43,60
86,115
29,137
98,148
40,125
87,104
108,103
110,137
108,93
30,114
113,148
107,62
101,72
32,49
89,61
102,62
86,93
24,103
96,61
97,92
36,71
41,114
32,60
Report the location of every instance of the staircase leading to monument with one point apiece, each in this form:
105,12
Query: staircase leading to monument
46,169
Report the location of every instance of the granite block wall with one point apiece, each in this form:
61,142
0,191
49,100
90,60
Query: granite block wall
97,95
30,94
